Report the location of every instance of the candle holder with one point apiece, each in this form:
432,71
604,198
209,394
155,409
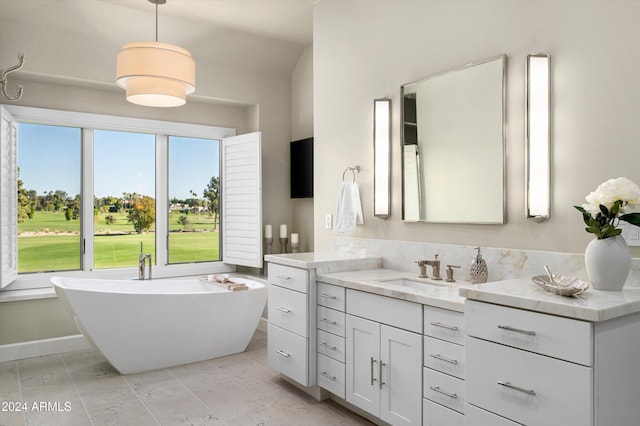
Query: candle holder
295,247
268,243
283,244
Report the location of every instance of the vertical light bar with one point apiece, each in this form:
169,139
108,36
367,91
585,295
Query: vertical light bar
538,135
382,158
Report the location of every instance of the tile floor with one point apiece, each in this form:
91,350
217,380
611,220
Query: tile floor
81,388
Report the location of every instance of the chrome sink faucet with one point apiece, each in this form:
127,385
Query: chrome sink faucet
435,265
142,260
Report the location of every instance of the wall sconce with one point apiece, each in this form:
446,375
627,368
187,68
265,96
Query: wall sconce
538,136
382,158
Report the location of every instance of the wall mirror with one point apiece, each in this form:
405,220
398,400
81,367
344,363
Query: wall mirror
453,139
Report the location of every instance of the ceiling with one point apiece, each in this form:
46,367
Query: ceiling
285,20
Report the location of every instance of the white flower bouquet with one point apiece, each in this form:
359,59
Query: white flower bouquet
613,201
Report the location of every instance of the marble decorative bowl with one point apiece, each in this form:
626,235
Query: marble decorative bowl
564,286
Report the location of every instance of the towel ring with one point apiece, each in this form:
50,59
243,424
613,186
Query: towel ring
353,170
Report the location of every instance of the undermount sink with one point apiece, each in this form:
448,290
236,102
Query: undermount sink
417,284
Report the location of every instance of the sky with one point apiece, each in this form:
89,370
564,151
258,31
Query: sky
49,160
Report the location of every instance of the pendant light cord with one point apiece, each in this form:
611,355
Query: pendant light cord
156,22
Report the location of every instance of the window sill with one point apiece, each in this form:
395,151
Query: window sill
31,294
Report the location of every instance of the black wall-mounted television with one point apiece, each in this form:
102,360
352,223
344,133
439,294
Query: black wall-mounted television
302,168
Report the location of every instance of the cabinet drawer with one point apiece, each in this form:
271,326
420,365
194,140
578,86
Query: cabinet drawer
288,310
331,375
444,356
444,324
437,415
443,389
331,345
386,310
526,387
331,320
287,353
558,337
286,276
475,416
331,296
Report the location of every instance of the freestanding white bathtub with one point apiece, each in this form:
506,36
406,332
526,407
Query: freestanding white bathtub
145,325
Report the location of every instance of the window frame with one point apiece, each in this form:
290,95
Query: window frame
162,129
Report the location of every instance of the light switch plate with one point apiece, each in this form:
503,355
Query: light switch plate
327,221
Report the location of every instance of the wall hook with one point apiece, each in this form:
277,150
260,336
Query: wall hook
3,79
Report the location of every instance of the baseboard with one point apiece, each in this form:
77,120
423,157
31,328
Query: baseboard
34,348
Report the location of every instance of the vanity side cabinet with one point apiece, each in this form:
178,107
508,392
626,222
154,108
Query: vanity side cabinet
444,368
384,357
330,337
291,337
542,385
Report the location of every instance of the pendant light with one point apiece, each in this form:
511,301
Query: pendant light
155,74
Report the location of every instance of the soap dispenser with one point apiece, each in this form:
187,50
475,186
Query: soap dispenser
479,272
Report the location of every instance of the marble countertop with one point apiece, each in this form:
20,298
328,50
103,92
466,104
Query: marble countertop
440,294
323,260
592,305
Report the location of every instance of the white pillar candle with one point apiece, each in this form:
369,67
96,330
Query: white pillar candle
268,232
283,231
294,238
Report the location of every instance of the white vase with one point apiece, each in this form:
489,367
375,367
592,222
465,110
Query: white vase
608,262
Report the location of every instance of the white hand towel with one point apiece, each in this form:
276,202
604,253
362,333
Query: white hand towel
349,208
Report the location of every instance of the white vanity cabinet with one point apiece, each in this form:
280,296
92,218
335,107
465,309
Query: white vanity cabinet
291,306
331,338
444,368
384,357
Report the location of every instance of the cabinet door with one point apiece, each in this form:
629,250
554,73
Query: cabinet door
401,376
362,367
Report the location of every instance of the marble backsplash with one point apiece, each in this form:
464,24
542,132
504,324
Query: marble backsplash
502,263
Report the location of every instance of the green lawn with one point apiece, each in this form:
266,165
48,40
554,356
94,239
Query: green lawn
116,245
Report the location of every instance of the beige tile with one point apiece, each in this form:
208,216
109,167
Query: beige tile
12,418
45,370
58,412
87,365
9,382
131,414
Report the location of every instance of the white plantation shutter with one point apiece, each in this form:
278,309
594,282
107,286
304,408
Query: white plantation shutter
8,197
242,200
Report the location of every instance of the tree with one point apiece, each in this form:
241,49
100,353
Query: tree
212,193
142,214
25,203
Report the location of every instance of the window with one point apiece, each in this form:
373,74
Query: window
194,195
124,178
105,166
48,198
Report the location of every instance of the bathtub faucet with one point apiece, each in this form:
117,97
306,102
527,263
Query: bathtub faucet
142,260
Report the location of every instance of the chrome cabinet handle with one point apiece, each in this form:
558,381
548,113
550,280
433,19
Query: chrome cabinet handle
332,378
517,388
441,358
283,353
448,327
284,277
437,389
382,364
327,321
325,345
327,296
517,330
373,361
283,309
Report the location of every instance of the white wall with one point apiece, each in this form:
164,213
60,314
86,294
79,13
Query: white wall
366,52
301,128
